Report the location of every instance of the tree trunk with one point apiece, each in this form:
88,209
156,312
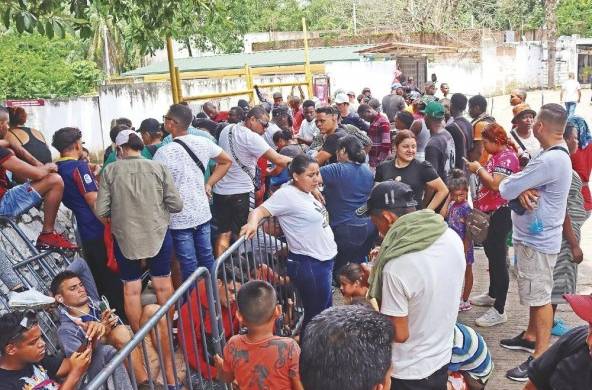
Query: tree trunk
551,38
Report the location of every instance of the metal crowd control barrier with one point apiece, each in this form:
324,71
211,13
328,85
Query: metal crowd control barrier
160,328
34,269
261,258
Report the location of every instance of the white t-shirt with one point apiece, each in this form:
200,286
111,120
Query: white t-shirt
570,91
308,130
304,221
532,145
188,178
248,146
426,287
269,132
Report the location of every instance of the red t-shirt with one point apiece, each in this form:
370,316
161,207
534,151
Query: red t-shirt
505,163
267,364
230,324
581,162
221,117
380,134
298,118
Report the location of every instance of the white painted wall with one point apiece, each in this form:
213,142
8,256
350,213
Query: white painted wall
355,76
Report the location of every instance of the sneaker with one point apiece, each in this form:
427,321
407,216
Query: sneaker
482,300
29,299
559,328
464,306
54,240
491,317
518,343
520,373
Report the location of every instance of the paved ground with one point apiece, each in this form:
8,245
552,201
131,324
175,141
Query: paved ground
518,315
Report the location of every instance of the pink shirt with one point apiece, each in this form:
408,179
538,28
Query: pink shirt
503,163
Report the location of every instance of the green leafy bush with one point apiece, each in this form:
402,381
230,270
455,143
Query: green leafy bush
33,66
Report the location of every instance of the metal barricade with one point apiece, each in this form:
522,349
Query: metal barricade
261,258
195,306
34,269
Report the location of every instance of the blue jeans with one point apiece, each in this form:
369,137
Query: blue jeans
354,240
312,278
571,108
18,200
193,248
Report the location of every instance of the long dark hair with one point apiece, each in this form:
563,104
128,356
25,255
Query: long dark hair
353,148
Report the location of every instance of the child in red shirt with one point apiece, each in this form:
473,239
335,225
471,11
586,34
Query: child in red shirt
259,359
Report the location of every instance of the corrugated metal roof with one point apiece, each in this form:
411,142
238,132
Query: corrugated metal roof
256,59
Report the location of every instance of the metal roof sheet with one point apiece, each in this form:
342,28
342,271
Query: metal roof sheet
256,59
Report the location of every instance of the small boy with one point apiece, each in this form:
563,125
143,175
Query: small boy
259,359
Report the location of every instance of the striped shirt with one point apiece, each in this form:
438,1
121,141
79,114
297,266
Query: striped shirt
470,353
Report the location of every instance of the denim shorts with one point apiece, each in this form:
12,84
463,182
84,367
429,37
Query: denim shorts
159,265
18,200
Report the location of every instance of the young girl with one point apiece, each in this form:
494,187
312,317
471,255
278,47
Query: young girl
456,211
352,284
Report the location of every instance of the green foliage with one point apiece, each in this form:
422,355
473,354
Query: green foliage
32,66
575,17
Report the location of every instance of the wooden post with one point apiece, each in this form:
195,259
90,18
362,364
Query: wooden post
172,76
307,74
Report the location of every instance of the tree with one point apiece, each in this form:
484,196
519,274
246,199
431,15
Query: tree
33,66
575,17
551,38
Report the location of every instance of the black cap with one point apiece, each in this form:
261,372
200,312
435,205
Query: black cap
388,195
149,125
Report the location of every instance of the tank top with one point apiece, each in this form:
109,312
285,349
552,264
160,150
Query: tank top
422,140
36,147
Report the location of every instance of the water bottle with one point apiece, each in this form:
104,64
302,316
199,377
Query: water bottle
536,226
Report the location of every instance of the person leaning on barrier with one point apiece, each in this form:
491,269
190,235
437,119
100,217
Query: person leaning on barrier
23,360
347,347
84,318
305,222
195,318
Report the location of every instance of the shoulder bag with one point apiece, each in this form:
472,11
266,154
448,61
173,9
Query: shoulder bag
192,155
256,178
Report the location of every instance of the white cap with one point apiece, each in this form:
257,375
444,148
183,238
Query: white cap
341,98
123,137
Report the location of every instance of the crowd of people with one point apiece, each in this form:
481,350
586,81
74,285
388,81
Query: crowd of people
384,200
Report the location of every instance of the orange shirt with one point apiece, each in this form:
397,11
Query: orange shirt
267,364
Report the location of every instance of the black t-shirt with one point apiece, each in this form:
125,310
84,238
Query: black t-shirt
5,154
37,376
566,365
462,134
440,152
330,145
416,174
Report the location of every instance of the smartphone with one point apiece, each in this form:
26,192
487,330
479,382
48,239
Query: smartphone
104,304
84,345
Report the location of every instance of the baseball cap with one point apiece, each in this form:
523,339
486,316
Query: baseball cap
341,98
434,110
123,137
521,109
388,195
149,125
581,305
396,85
277,95
351,93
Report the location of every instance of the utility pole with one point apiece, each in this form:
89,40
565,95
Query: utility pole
551,38
354,17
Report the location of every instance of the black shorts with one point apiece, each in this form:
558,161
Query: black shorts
436,381
231,212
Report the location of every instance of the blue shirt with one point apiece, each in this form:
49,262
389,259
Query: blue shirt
78,181
354,119
550,174
347,187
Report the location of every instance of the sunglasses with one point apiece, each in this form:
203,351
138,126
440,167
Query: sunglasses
168,118
264,124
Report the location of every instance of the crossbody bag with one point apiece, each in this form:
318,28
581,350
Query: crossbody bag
192,155
256,178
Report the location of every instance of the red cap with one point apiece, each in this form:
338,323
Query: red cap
581,305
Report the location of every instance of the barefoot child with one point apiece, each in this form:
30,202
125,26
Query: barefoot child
456,211
259,359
